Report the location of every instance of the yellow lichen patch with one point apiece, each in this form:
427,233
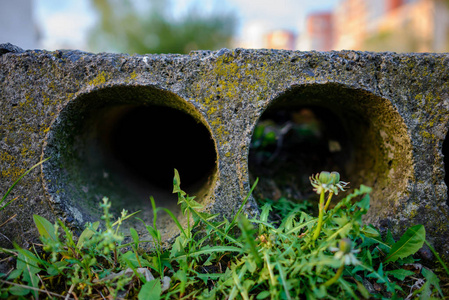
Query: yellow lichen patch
12,172
25,152
427,135
211,110
99,79
419,98
133,75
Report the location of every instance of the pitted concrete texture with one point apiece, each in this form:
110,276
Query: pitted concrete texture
117,125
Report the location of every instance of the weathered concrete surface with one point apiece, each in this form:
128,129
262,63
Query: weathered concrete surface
69,104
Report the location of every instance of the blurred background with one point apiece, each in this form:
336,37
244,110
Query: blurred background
179,26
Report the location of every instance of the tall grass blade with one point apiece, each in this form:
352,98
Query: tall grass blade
17,181
437,256
175,219
208,250
244,202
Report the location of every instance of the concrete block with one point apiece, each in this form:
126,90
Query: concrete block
117,125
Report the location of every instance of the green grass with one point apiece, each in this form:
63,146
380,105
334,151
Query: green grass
284,253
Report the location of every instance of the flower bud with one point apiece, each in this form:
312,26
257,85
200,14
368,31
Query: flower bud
335,177
345,245
325,177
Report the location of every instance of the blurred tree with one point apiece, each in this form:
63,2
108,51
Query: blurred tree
128,28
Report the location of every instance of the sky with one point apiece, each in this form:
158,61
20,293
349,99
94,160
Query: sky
65,24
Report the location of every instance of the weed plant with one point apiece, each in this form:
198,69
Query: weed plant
332,256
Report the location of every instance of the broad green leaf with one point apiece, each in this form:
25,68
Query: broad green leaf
177,184
177,249
182,276
283,278
389,240
367,242
27,267
57,268
400,274
265,212
364,203
342,232
134,235
346,286
287,223
248,233
209,276
151,290
153,232
130,257
32,281
362,289
369,257
194,205
362,190
206,216
251,265
409,243
296,229
432,279
15,274
370,231
87,234
19,291
379,275
45,228
381,278
27,260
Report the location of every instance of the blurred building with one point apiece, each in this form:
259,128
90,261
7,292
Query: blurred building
352,21
319,34
392,25
280,39
17,24
379,25
419,26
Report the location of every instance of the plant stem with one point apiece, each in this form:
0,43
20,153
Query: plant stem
328,200
320,217
437,256
336,276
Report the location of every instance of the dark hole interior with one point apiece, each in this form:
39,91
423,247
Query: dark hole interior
291,143
151,141
446,165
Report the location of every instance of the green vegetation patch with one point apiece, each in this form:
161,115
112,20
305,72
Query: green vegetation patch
332,256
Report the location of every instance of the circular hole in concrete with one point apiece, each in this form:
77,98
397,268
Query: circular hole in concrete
124,143
318,127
